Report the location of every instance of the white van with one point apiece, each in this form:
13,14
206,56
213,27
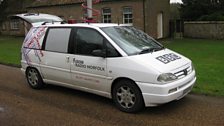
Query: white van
118,62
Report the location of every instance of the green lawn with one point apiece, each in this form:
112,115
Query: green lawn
207,56
10,50
208,59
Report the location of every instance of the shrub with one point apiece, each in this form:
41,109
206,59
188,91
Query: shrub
218,16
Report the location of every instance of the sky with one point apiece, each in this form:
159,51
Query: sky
175,1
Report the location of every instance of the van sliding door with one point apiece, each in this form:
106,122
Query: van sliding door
55,64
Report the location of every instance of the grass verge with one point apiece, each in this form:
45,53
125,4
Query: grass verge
207,56
10,50
208,59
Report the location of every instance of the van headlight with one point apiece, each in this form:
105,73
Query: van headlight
166,77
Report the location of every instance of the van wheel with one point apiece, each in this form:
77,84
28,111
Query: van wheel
127,96
34,79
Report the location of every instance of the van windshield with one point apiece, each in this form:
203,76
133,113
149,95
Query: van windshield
132,40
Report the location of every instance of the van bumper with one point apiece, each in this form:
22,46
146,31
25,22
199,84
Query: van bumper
155,94
23,71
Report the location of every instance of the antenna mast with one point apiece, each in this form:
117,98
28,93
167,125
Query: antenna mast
90,9
90,12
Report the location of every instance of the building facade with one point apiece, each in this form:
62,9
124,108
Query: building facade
12,27
151,16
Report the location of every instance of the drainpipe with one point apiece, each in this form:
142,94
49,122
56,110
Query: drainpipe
143,4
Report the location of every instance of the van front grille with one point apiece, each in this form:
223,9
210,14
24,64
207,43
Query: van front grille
183,73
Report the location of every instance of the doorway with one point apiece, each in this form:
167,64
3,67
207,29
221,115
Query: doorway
160,25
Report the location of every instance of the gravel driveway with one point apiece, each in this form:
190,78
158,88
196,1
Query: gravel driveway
57,106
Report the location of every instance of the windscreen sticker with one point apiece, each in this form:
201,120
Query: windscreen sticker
167,58
32,42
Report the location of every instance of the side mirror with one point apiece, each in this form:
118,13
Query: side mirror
99,53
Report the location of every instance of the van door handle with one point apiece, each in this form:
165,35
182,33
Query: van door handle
67,59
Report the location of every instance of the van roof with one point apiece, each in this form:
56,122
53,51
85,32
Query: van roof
100,25
41,19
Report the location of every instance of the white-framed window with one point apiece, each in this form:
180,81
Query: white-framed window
106,13
14,24
127,15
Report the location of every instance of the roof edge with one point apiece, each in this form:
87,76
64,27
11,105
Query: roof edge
72,3
65,4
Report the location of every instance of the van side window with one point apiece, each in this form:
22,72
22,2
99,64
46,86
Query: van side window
88,40
58,39
111,51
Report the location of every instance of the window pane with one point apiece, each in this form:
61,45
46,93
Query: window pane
106,11
14,24
106,17
88,40
131,40
111,51
127,15
106,21
126,21
57,39
127,10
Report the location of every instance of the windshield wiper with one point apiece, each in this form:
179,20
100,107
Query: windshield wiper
154,49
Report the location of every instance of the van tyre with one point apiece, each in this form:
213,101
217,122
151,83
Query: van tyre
34,79
127,96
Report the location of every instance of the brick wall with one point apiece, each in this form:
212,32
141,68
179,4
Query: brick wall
148,24
207,30
117,11
75,11
152,9
13,32
145,13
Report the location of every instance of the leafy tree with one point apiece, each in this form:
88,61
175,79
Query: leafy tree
3,6
8,7
175,11
202,9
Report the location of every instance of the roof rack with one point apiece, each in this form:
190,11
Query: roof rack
52,22
31,14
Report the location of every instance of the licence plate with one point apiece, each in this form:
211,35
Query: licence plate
187,90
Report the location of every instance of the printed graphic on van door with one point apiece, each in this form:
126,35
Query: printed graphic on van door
167,58
32,43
